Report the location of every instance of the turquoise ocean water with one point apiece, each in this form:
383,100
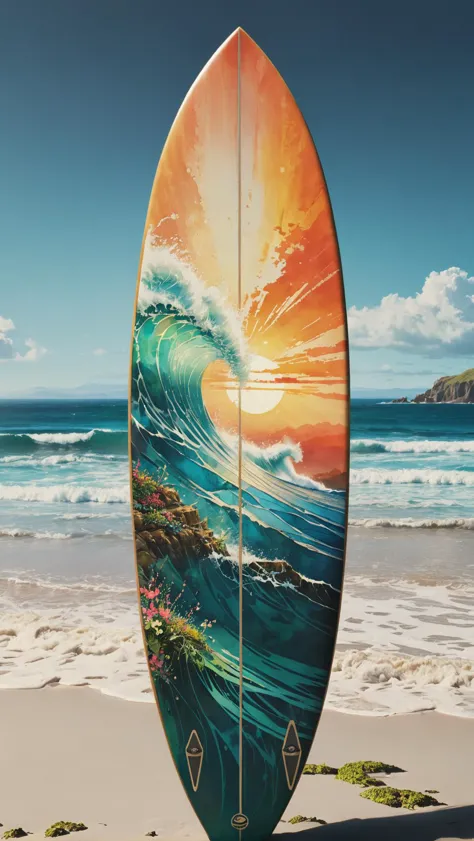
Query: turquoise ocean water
406,639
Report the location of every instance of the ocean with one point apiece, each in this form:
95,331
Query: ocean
68,608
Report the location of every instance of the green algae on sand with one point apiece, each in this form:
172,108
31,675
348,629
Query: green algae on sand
64,828
357,773
319,769
399,797
304,819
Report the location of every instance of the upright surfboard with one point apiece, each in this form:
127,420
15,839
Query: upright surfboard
238,431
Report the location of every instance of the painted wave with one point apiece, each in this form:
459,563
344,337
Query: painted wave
182,327
279,459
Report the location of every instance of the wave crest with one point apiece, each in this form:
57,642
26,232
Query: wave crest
408,476
94,440
168,282
65,493
278,459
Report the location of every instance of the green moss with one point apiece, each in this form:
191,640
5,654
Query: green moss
18,832
319,769
399,797
431,791
64,828
304,819
357,773
465,377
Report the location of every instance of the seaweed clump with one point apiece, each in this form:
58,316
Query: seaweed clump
304,819
17,832
400,797
357,773
319,769
63,828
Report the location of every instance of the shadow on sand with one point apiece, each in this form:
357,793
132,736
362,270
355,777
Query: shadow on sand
421,826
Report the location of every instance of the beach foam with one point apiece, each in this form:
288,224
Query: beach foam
411,523
378,683
402,646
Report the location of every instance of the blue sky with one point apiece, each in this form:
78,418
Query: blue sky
88,93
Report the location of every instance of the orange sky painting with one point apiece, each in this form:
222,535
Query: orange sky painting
292,308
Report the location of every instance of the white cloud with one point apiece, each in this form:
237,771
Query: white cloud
34,352
6,324
439,319
6,344
99,351
7,350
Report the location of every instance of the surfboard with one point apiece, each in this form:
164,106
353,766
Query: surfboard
239,442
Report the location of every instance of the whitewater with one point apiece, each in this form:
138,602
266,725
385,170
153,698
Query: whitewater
86,633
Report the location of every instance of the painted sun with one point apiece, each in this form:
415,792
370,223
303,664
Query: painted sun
288,298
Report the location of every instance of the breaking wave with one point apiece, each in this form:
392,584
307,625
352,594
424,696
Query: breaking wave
368,445
410,476
65,493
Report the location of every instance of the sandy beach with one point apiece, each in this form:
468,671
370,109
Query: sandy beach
75,754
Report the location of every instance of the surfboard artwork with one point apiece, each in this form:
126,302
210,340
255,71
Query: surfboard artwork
238,439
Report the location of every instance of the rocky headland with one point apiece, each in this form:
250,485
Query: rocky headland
456,389
185,536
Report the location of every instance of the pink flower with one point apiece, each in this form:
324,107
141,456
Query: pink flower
165,613
150,594
153,499
150,612
156,663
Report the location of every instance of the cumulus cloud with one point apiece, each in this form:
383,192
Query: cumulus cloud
34,352
7,350
99,351
438,319
6,343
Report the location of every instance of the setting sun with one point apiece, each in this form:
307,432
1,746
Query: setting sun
260,394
